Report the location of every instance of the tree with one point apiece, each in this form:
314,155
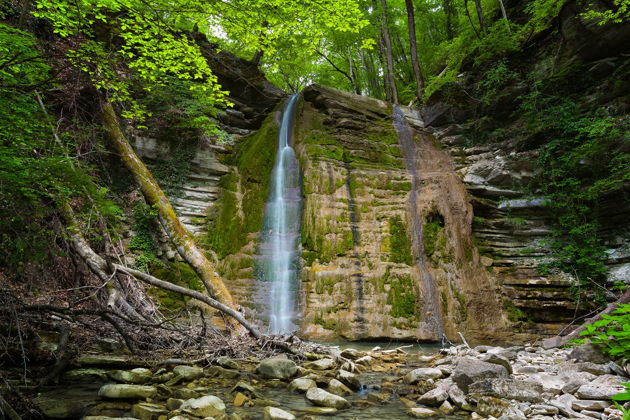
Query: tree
411,25
387,51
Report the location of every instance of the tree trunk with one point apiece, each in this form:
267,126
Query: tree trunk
470,18
482,19
451,21
173,227
504,13
387,40
353,74
411,25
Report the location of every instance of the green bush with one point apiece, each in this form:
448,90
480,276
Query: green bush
612,332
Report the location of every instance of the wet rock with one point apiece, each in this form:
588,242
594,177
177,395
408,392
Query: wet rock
319,397
352,354
350,379
446,408
134,376
512,389
221,372
85,375
185,394
498,360
246,389
470,370
319,411
239,399
589,352
301,385
227,363
126,391
422,374
206,406
274,413
365,361
422,412
337,387
189,373
146,411
433,398
379,398
59,408
592,405
322,364
492,406
174,403
277,368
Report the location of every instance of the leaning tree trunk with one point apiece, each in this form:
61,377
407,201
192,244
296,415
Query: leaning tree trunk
482,19
177,233
411,24
387,40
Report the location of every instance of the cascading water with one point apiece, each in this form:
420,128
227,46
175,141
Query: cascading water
432,314
278,253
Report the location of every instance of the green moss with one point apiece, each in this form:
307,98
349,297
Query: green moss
400,245
177,273
514,314
401,296
463,306
431,234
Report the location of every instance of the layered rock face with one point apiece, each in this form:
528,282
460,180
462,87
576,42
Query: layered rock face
368,273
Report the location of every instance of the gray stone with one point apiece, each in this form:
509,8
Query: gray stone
574,380
350,379
469,370
543,410
206,406
446,408
227,363
277,368
85,375
301,385
135,376
337,388
174,403
513,413
352,354
422,374
492,406
592,405
498,360
422,412
274,413
318,396
512,389
458,397
589,352
189,373
433,398
598,392
127,391
146,411
321,364
594,368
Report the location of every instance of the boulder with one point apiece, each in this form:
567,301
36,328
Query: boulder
422,412
227,363
206,406
492,406
350,379
301,385
318,396
511,389
602,388
433,398
146,411
134,376
468,371
127,391
337,388
422,374
277,368
589,352
352,354
274,413
189,373
497,359
321,364
592,405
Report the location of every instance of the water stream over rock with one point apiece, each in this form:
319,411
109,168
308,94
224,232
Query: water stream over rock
278,252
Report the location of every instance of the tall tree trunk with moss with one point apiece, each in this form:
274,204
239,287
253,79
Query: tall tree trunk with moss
411,25
387,44
177,233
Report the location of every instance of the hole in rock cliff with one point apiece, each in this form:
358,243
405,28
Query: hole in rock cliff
436,218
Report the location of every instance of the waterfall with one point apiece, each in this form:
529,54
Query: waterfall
432,315
278,252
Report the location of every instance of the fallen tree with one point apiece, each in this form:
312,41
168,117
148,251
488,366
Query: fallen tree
175,230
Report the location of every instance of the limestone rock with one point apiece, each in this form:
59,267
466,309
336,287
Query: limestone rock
301,385
470,370
134,376
146,411
350,379
337,387
592,405
433,398
422,412
206,406
492,406
189,373
422,374
498,360
274,413
127,391
319,397
589,352
511,389
321,364
602,388
227,363
277,368
352,354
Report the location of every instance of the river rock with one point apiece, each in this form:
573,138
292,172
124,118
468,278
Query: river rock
446,408
350,379
492,406
127,391
221,372
321,364
274,413
227,363
422,374
277,368
602,388
433,398
469,370
174,403
422,412
352,354
134,376
513,413
592,405
301,385
146,411
589,352
338,388
189,373
511,389
206,406
497,359
322,398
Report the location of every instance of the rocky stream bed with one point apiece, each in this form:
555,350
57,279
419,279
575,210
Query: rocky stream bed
508,383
